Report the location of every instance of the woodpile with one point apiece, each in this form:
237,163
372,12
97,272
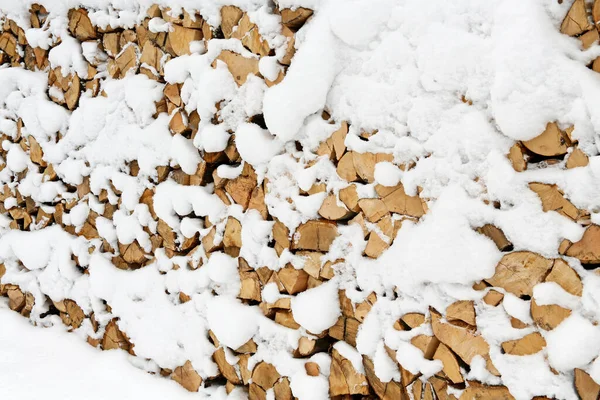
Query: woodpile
452,335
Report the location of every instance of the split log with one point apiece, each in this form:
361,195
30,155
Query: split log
364,164
596,12
427,344
187,377
527,345
548,317
553,200
294,280
516,155
484,392
463,310
114,338
315,235
250,288
227,370
81,26
589,38
70,313
576,21
451,366
461,341
577,158
239,66
566,277
265,375
497,235
312,369
587,250
283,390
520,271
295,19
391,390
344,379
179,39
250,37
373,209
331,210
550,143
413,320
397,201
586,387
230,17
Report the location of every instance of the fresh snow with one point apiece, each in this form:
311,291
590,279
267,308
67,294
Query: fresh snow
396,67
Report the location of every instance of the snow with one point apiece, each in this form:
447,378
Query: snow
324,298
66,368
405,71
573,344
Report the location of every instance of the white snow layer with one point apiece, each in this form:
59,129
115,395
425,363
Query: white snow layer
398,67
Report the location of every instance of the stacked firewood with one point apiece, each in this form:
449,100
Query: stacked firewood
454,338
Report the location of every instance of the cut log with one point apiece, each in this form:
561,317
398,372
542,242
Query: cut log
553,200
397,201
451,366
233,233
16,298
250,288
349,196
413,320
576,21
187,377
282,390
391,390
566,277
461,341
345,168
315,235
71,314
577,158
294,280
483,392
295,19
496,235
230,17
364,164
115,339
250,37
344,379
548,317
589,38
586,387
378,244
427,344
227,370
331,210
527,345
312,262
516,156
587,250
81,26
256,392
463,310
240,189
179,39
520,271
239,66
550,143
265,375
127,60
312,369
